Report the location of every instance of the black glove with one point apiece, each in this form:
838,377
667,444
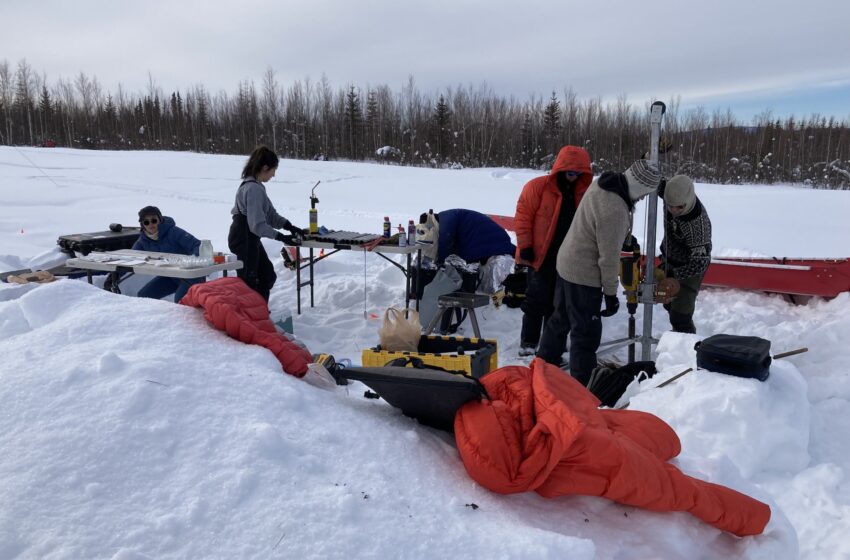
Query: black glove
612,305
661,186
527,254
279,237
294,230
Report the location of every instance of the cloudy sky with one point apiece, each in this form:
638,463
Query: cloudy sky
748,55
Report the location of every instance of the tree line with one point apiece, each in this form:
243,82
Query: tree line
459,127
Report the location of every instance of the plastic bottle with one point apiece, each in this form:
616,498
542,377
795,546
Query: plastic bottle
411,233
206,251
402,238
387,226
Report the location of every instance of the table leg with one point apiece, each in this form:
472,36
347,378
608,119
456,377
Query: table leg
298,277
89,275
407,275
311,278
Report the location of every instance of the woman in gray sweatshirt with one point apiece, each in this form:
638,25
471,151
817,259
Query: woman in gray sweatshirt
254,216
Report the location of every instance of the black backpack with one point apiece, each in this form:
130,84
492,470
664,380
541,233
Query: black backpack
741,356
609,383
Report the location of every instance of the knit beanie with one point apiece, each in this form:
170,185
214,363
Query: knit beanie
150,211
680,192
643,178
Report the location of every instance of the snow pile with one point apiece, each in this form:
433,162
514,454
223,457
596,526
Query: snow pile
130,429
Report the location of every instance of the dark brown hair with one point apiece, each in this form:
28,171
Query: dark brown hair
261,156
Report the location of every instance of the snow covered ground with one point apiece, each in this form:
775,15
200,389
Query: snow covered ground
130,429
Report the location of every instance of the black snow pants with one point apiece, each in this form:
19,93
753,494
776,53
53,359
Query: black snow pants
576,314
257,270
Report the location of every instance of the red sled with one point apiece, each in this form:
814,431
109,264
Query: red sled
795,277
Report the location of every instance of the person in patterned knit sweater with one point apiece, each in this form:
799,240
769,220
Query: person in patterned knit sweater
685,249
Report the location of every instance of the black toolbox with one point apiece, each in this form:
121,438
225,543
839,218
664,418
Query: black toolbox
85,243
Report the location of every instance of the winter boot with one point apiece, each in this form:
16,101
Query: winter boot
682,323
527,349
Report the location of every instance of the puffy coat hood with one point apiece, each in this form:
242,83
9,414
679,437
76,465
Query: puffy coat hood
539,203
573,158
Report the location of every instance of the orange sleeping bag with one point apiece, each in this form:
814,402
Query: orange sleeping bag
543,431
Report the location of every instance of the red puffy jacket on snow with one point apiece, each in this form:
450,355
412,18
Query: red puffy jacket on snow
231,306
542,431
539,203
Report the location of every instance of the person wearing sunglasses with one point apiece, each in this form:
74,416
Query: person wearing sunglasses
685,249
544,214
160,234
254,217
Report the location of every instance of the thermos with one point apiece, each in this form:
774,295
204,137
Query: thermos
387,226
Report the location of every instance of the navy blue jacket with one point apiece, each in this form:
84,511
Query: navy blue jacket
170,239
471,235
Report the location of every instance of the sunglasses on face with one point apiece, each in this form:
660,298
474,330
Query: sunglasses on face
572,173
153,221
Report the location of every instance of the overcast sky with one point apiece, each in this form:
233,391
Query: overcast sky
749,55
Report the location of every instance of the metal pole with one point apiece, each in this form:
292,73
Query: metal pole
647,292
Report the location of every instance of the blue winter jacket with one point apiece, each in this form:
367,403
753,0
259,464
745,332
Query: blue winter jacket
471,235
170,239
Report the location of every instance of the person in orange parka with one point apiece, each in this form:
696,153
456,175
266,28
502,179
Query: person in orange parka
542,430
544,213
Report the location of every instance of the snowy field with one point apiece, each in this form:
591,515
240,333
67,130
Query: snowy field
130,429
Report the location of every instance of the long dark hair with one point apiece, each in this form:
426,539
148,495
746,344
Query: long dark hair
262,155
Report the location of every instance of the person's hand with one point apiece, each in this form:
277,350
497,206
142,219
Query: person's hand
667,290
279,237
498,297
612,305
370,245
527,254
294,230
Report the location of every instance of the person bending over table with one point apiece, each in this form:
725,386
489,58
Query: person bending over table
160,234
254,216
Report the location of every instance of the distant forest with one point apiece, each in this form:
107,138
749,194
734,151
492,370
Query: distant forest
458,127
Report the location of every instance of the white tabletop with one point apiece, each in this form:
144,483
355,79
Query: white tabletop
146,262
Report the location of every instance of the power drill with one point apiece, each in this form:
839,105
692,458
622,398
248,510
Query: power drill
630,272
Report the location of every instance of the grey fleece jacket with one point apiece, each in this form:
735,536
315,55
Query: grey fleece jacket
253,203
590,254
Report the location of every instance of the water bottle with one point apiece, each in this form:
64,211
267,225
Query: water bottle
411,233
387,226
206,251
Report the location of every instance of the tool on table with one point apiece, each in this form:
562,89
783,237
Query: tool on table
314,212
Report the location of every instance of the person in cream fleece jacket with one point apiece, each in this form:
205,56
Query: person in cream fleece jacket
588,265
